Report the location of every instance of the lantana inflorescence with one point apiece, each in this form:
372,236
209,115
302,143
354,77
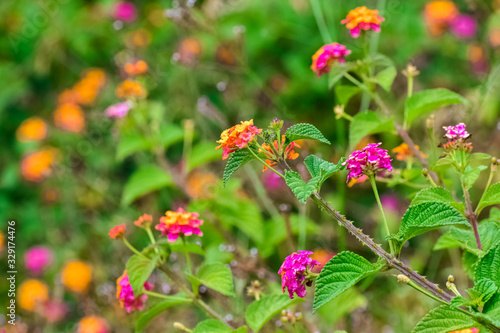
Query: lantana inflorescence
175,224
237,137
368,161
326,56
456,136
296,272
125,294
362,18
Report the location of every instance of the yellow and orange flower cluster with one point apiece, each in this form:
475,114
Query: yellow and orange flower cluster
37,166
130,88
467,330
93,324
85,91
403,152
32,294
32,129
179,223
237,137
143,220
136,68
438,16
289,153
362,18
76,276
69,117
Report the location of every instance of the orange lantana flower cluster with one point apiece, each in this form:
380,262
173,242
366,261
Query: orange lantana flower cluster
403,152
438,15
289,153
32,129
130,88
136,68
237,137
362,18
37,166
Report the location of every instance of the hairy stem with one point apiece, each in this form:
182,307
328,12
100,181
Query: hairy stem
377,197
471,216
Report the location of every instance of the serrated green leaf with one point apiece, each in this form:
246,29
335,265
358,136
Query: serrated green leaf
478,157
488,266
443,319
321,169
147,179
260,312
490,197
215,276
469,261
386,77
492,307
187,248
459,301
426,101
202,153
235,161
485,288
437,194
471,175
299,187
340,273
366,123
216,326
443,161
489,234
304,131
427,216
148,315
345,93
139,269
446,241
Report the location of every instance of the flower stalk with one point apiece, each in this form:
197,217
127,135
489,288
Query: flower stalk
379,203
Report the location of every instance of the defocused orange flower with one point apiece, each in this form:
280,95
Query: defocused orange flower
76,276
69,117
322,256
2,242
32,129
139,67
50,195
32,293
129,88
403,152
225,56
117,231
478,58
93,324
494,37
438,15
199,184
188,51
138,38
143,221
36,166
85,91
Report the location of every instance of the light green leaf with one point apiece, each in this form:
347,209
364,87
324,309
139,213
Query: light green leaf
489,234
147,179
345,303
340,273
471,175
446,241
386,77
170,134
485,289
490,197
447,160
216,326
235,161
366,123
215,276
479,157
345,93
304,131
492,307
337,72
321,169
437,194
139,269
187,248
427,216
443,319
131,144
202,153
260,312
299,187
426,101
147,316
469,261
488,266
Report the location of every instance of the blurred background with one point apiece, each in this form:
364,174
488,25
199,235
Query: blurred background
70,168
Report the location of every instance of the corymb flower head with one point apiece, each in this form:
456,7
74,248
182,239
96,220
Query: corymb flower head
32,294
76,276
37,166
362,18
327,55
296,272
129,88
368,161
288,152
117,231
119,110
173,224
136,68
125,294
456,136
32,129
69,117
467,330
237,137
37,259
143,221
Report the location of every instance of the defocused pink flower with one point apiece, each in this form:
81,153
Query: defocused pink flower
173,224
38,259
125,11
328,54
362,18
125,294
368,161
293,272
464,26
54,311
390,202
119,110
272,181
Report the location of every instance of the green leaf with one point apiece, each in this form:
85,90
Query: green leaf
485,288
478,157
490,197
459,301
139,269
366,123
446,241
337,72
187,248
386,77
426,101
443,319
216,326
202,153
492,307
299,187
304,131
235,161
260,312
131,144
340,273
321,169
147,316
345,303
488,266
170,134
215,276
437,194
345,93
147,179
469,262
489,233
427,216
471,175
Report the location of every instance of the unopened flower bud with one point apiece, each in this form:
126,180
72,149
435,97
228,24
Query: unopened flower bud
403,278
410,71
494,164
425,173
429,122
339,111
276,124
451,278
181,327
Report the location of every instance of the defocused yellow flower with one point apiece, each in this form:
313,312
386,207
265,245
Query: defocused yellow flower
69,117
76,276
2,242
93,324
32,129
36,166
438,15
138,38
199,184
32,292
403,152
129,88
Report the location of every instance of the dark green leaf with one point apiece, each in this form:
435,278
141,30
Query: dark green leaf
170,134
299,187
216,326
260,312
202,153
215,276
131,144
147,179
304,131
139,269
443,319
366,123
386,77
490,197
235,161
488,266
437,194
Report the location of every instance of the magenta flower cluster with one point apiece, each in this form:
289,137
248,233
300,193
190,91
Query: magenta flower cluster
456,133
368,161
38,259
119,110
293,272
126,294
326,55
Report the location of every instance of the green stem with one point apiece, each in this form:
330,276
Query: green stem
158,295
426,293
133,249
261,161
410,86
375,191
320,21
188,257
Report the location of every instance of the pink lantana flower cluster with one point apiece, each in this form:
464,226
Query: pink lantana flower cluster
456,133
119,110
174,224
294,272
368,161
125,294
38,259
323,58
